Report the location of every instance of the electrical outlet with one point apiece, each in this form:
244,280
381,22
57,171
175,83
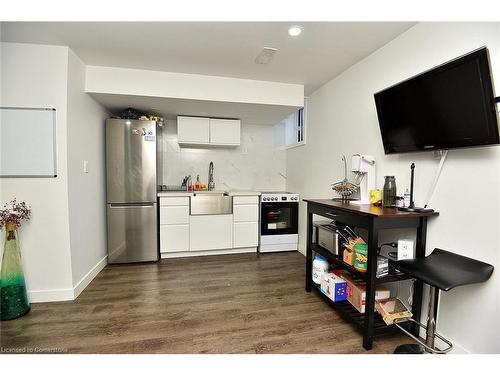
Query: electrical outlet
85,166
405,249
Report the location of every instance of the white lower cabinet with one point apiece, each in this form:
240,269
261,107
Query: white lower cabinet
210,232
245,234
245,221
174,238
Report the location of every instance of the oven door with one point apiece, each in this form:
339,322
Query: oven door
279,218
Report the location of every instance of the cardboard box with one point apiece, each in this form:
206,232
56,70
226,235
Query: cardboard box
392,309
334,287
356,293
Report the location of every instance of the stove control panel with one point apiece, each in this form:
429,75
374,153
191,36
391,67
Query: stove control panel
279,197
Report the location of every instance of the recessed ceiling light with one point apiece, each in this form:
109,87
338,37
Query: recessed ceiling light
294,30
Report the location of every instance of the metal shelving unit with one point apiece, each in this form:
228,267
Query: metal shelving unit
372,219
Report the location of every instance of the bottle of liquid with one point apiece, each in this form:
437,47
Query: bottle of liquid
320,266
197,184
406,197
389,199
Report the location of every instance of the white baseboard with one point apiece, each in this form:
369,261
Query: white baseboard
185,254
85,280
51,295
70,294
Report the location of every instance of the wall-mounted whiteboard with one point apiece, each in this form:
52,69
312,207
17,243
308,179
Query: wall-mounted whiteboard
28,142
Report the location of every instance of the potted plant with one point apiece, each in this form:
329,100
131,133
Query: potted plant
13,297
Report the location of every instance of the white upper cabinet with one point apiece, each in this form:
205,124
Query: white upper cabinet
225,132
193,130
205,131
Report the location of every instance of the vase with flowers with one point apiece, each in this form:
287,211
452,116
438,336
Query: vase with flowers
13,297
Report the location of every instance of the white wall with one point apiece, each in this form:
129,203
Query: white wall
123,81
86,191
259,163
63,246
342,120
36,76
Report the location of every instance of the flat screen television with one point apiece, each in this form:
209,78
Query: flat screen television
447,107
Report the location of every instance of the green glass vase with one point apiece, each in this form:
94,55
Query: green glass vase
14,299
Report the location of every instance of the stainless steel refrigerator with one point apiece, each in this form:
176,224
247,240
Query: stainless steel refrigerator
131,191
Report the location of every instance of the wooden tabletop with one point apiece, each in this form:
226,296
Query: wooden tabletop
368,209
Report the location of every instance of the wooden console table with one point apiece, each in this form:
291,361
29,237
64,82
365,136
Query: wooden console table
372,219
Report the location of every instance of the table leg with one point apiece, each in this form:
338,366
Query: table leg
418,285
370,286
309,250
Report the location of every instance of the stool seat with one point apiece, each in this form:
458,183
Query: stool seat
445,270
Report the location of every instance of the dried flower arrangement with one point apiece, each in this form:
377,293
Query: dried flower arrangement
12,214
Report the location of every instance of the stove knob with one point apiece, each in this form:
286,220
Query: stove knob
264,199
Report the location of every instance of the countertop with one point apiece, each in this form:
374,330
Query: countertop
191,193
368,209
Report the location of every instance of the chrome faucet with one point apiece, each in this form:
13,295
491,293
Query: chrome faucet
211,183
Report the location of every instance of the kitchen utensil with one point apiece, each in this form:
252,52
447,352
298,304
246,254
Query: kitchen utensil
350,231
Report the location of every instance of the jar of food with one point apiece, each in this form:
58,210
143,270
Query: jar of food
389,192
320,267
376,197
360,257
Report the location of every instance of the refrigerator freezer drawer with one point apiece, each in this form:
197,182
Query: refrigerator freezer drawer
132,233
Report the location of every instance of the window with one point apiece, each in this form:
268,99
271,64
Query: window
295,127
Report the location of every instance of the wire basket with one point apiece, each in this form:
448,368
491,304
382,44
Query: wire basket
345,188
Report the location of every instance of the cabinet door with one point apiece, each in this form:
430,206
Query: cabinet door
246,235
224,132
211,232
174,238
246,212
193,130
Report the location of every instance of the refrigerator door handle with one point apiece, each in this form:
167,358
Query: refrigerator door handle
132,205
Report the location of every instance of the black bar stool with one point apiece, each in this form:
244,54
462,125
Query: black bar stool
441,270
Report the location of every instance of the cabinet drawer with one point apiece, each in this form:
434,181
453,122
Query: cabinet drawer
245,235
174,238
253,199
174,215
211,232
246,212
174,201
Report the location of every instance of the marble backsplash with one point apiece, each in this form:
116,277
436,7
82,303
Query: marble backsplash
259,163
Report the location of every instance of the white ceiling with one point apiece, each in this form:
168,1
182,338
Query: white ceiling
321,52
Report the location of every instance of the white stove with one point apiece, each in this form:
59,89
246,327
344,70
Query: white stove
279,214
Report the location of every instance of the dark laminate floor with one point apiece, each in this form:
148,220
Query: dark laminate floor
218,304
